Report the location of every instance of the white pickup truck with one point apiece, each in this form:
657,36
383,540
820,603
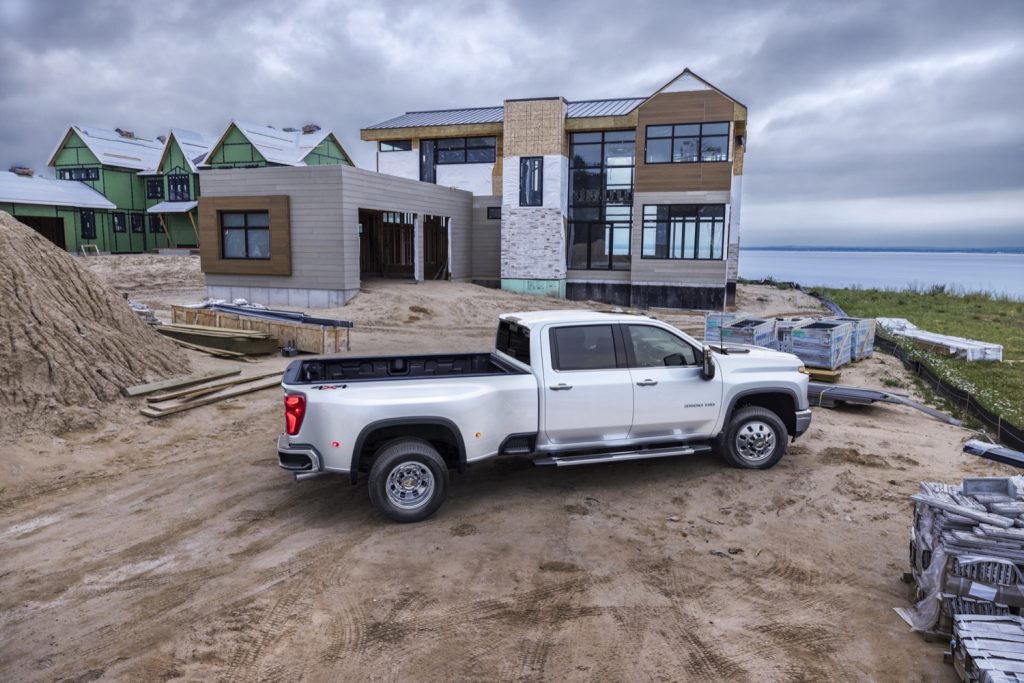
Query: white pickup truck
562,387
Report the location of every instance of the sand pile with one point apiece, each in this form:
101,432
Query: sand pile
68,342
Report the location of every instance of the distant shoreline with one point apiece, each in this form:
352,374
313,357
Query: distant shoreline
897,250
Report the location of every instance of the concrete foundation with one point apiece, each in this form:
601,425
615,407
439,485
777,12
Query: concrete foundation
284,296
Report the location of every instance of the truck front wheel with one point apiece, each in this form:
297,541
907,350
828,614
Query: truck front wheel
408,480
756,439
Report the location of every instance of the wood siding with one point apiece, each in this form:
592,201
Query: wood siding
682,107
211,258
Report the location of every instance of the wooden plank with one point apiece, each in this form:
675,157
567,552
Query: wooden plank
191,392
220,353
241,390
176,382
820,375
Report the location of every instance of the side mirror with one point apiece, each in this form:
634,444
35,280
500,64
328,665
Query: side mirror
707,370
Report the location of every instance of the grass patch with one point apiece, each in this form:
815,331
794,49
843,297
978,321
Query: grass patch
997,386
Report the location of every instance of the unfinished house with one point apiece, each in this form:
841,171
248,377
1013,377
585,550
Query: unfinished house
246,145
172,189
62,211
633,201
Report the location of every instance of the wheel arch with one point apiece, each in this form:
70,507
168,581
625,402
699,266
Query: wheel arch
442,433
781,401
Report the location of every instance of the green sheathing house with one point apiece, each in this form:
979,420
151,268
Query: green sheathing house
235,151
327,153
122,230
174,176
71,217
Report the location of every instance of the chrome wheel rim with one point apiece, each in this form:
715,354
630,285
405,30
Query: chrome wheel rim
755,441
410,485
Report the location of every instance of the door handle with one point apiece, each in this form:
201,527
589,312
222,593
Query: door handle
560,387
646,383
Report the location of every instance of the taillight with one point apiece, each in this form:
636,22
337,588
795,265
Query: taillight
294,410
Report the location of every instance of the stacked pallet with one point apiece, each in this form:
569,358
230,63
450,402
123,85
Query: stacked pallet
988,649
749,330
823,344
784,332
218,341
863,336
967,551
713,323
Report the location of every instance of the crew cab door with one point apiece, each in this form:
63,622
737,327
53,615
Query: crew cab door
669,396
587,392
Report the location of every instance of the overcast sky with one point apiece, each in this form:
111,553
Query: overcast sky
881,123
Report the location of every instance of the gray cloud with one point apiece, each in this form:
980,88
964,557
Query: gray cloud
870,121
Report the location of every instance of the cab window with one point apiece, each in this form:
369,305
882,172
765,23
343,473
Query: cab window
653,347
583,347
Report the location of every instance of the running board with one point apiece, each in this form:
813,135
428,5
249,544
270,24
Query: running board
569,460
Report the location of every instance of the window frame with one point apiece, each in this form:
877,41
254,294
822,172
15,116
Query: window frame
631,360
699,137
494,213
80,173
696,232
118,222
245,227
464,145
156,184
154,220
174,179
524,198
618,346
137,223
396,145
87,216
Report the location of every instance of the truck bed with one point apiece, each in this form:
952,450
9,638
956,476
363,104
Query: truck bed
379,368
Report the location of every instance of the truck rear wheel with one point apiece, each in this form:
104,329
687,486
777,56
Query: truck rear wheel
408,480
756,439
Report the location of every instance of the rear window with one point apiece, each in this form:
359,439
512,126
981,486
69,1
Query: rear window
514,340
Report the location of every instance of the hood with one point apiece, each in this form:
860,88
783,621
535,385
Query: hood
742,356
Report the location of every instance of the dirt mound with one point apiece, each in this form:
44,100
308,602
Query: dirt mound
69,342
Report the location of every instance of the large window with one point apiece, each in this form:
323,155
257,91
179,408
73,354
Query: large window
154,188
583,347
466,150
687,143
396,146
79,174
601,199
177,188
117,220
245,235
88,221
684,231
531,181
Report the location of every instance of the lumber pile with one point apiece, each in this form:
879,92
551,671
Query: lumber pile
959,347
967,552
219,341
289,328
193,391
988,648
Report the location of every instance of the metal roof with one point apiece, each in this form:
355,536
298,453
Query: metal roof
113,149
172,207
50,192
455,117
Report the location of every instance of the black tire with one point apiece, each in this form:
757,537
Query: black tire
748,444
399,476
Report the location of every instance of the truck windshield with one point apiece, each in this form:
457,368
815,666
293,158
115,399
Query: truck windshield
514,340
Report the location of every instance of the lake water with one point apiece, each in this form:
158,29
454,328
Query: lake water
997,273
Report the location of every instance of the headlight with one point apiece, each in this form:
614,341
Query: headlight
802,370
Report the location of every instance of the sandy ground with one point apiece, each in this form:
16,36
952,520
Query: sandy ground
177,550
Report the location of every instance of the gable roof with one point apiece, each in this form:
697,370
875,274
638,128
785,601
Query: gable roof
113,149
453,117
194,146
687,74
50,192
278,146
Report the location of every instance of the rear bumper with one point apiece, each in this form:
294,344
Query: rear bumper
803,422
302,460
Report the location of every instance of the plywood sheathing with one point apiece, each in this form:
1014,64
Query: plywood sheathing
277,206
535,127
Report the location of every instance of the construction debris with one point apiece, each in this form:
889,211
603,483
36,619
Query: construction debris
144,312
995,452
201,397
236,342
831,395
966,552
988,649
959,347
178,382
289,328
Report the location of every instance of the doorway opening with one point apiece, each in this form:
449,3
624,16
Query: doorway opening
386,244
435,248
50,227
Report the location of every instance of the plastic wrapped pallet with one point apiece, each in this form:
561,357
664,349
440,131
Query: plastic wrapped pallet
823,344
752,331
784,332
713,323
988,649
863,337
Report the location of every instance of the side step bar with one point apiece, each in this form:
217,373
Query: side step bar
644,454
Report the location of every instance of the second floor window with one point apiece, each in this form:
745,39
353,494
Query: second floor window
154,188
687,143
531,181
177,188
396,146
79,174
466,150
